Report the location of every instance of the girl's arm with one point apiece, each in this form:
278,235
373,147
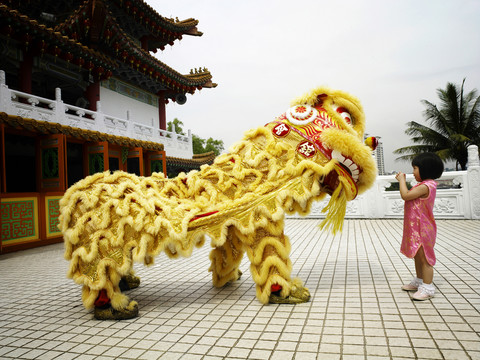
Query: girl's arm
414,193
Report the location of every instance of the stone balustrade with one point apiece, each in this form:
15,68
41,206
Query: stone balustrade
458,196
30,106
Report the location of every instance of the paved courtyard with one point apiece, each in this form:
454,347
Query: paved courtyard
357,310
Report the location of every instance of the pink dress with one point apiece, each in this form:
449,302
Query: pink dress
419,228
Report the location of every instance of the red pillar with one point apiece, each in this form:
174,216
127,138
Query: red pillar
25,73
162,115
92,93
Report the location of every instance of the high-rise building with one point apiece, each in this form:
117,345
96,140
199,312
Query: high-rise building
378,155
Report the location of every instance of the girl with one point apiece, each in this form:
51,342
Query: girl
419,228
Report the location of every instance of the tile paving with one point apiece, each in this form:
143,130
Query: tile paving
357,310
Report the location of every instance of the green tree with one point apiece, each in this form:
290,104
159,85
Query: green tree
214,145
199,144
454,125
175,126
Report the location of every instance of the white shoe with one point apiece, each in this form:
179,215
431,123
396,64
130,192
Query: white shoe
413,285
425,292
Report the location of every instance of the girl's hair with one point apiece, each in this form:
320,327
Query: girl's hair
429,165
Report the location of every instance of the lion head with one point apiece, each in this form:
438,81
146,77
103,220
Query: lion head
331,124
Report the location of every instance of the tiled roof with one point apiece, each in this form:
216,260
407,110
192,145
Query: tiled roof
117,53
195,162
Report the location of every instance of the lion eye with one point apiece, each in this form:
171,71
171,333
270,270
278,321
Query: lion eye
344,114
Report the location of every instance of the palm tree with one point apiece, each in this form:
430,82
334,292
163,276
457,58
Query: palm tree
455,125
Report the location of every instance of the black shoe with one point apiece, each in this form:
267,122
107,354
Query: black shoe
109,313
129,282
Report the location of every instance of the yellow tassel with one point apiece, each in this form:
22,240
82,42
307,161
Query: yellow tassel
336,208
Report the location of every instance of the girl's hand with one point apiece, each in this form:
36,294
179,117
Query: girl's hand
400,176
421,191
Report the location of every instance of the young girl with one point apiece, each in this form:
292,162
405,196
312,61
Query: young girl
419,228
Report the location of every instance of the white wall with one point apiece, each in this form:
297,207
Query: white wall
117,105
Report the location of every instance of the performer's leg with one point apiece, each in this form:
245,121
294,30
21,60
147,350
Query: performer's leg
101,280
225,260
271,267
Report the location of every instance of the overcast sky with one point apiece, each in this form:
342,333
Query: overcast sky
390,54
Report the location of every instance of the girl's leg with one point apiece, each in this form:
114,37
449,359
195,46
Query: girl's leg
422,267
426,290
418,280
418,265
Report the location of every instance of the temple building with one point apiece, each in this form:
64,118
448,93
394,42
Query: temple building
80,93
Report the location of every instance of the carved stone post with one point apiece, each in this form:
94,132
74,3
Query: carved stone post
59,108
190,142
99,117
5,97
473,174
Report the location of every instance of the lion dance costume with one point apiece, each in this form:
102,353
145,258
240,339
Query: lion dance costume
111,220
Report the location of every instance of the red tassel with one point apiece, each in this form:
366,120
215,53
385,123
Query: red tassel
102,299
276,287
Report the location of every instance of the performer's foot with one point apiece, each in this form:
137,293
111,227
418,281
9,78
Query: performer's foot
239,275
298,295
129,282
109,313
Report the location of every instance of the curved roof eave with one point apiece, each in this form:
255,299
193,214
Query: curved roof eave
129,53
153,22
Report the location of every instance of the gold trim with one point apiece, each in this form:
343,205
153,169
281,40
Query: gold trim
47,217
36,236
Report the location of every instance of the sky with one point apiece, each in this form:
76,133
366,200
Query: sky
391,54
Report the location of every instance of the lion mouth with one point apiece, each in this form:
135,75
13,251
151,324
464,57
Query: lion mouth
347,163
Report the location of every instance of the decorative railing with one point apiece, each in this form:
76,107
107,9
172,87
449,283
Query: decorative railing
458,196
34,107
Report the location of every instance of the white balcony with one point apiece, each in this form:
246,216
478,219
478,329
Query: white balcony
30,106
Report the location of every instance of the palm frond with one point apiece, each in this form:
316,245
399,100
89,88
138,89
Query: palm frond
453,126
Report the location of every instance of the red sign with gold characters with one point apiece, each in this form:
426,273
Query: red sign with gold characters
281,130
307,149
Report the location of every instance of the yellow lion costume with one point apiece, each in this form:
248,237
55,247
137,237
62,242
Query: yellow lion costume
111,220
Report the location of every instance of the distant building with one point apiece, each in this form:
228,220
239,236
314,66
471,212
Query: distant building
378,155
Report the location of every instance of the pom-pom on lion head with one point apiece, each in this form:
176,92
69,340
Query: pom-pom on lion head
345,109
